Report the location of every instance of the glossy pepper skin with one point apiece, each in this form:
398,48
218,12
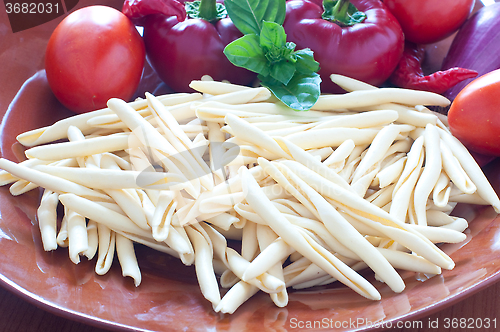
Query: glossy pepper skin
368,51
182,50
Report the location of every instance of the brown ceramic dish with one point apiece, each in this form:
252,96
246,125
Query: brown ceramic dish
169,297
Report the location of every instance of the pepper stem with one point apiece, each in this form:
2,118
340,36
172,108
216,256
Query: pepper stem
340,8
342,12
208,10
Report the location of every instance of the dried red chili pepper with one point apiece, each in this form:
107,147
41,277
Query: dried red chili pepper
409,74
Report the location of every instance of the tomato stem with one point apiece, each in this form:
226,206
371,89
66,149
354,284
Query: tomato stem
342,12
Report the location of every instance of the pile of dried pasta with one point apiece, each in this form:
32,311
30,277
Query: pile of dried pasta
366,179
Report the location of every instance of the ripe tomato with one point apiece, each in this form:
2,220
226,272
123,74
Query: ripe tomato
94,54
473,115
428,21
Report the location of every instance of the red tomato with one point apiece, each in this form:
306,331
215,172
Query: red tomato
473,115
428,21
94,54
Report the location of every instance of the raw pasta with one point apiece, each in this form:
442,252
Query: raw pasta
364,180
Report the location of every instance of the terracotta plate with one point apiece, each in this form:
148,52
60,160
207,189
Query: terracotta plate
169,297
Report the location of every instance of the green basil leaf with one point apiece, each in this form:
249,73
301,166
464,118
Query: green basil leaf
272,36
283,71
246,52
305,62
248,15
300,94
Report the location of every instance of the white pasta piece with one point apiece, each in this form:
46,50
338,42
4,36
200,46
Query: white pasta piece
360,187
223,220
407,114
402,194
50,182
305,159
22,186
441,191
59,129
179,241
62,235
180,141
347,234
319,228
350,84
113,179
128,261
77,235
253,135
442,119
145,133
7,178
440,234
362,98
93,240
337,159
128,201
458,224
430,174
265,282
87,147
204,267
163,214
382,196
484,188
235,297
331,137
151,243
360,120
266,236
297,208
249,243
302,243
468,198
454,170
378,148
438,218
47,219
215,88
310,272
216,137
391,173
231,93
273,254
100,214
112,121
106,249
373,216
409,262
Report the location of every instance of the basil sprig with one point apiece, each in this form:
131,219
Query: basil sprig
290,75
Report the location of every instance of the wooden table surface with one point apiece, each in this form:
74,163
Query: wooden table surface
18,315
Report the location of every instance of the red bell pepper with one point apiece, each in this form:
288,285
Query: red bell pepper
184,42
367,49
